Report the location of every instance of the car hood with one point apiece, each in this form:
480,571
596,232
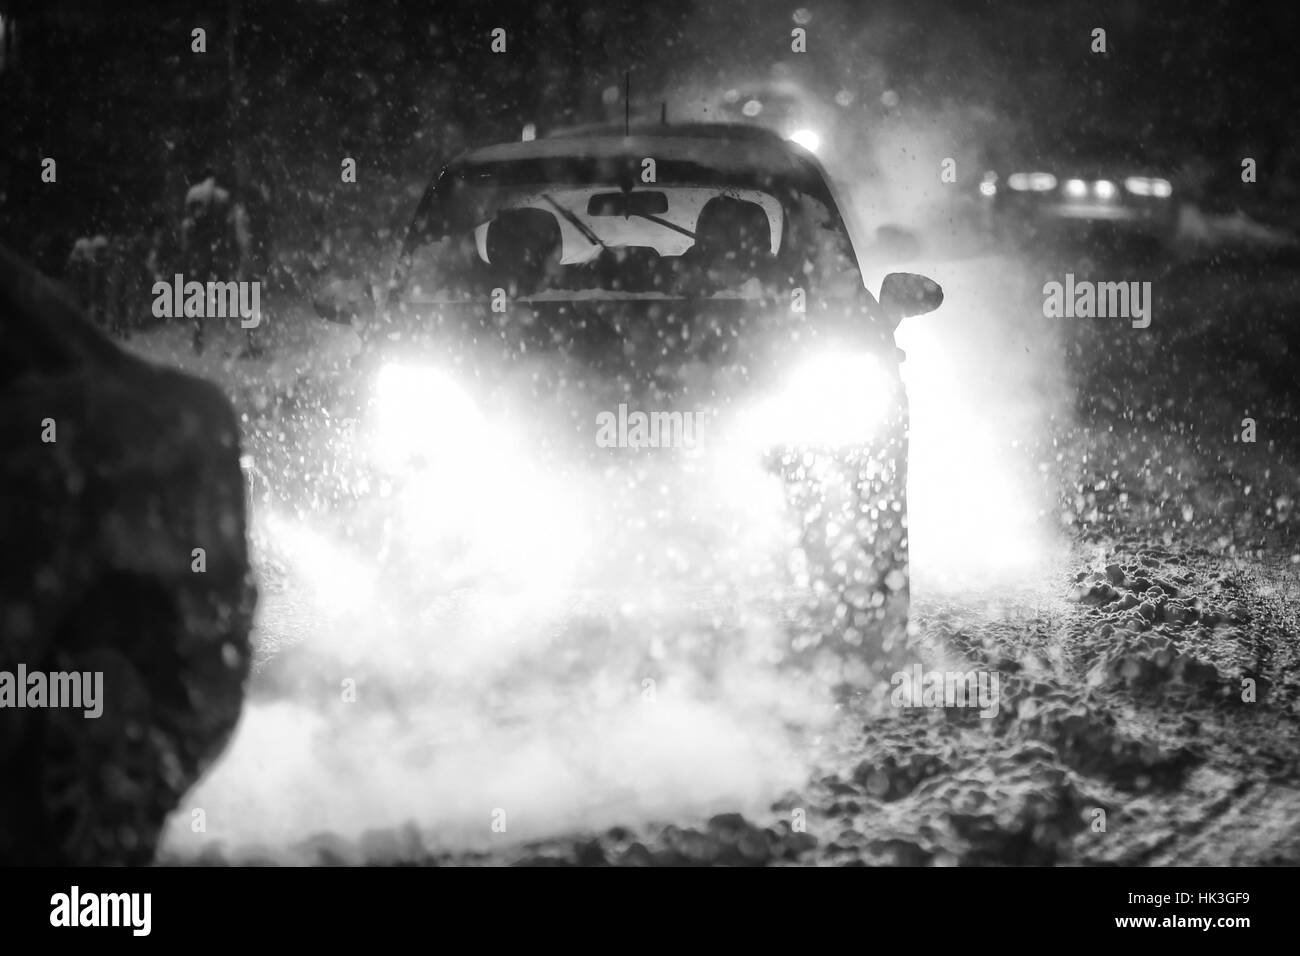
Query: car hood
605,366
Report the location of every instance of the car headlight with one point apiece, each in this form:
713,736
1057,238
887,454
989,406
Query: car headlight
1075,188
421,414
1149,186
479,510
833,400
1104,189
1031,182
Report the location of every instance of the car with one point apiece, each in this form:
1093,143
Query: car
556,298
123,502
1099,186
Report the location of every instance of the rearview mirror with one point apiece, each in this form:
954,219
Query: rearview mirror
642,203
906,293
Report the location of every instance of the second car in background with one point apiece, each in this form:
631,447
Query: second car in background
1080,193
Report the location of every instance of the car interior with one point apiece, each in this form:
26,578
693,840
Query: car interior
732,244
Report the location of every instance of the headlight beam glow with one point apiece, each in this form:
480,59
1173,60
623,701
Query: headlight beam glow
807,138
834,400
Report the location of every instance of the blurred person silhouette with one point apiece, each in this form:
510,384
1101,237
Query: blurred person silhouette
215,241
733,240
112,270
85,272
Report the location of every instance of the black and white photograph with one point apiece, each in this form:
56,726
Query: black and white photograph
672,433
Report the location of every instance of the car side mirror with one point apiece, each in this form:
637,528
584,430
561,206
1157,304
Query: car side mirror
906,293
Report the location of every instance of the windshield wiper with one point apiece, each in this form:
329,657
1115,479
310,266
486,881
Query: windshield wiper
665,223
595,240
577,223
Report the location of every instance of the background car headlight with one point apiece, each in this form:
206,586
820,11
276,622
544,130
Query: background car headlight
1104,189
835,400
808,139
1148,186
1075,188
1033,182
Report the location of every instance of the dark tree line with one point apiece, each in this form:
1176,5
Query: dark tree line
113,91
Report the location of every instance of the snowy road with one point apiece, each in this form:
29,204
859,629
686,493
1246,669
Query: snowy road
1042,553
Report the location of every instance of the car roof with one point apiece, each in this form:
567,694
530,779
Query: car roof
741,132
724,147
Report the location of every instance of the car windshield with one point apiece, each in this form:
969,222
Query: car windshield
600,232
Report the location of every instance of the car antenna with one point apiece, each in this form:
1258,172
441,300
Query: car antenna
625,178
